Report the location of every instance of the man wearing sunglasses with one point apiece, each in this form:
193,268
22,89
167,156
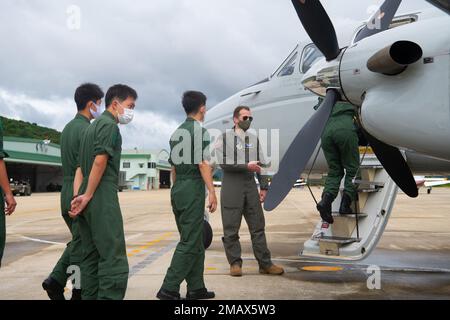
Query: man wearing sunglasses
239,154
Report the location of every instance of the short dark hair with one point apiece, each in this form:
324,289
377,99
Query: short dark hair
120,92
192,101
238,110
86,93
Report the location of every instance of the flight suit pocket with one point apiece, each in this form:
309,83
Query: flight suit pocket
232,196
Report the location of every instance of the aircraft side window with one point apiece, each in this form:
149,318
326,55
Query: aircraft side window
289,67
310,55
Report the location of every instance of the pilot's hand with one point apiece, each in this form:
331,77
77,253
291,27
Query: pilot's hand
262,195
10,204
212,202
78,205
253,166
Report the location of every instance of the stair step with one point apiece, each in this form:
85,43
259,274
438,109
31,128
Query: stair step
365,190
359,214
371,166
369,183
338,240
371,163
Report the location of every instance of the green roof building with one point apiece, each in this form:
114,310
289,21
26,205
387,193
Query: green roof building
39,162
35,161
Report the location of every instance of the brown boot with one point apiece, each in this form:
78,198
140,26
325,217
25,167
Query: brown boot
273,270
236,270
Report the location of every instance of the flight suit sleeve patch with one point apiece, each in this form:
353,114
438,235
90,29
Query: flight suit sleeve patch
105,140
263,182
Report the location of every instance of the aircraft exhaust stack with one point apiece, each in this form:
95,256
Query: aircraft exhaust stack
394,59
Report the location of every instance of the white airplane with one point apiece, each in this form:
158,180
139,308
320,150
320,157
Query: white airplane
429,183
396,71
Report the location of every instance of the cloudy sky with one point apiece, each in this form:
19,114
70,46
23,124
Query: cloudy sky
159,47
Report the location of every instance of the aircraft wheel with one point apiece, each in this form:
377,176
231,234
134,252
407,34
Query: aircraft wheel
207,234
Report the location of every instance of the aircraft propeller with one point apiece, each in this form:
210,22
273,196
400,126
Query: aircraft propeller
320,29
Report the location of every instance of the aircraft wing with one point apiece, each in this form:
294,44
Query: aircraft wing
441,4
436,183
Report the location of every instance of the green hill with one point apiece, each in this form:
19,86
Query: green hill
22,129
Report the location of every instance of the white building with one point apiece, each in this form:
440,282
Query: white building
146,170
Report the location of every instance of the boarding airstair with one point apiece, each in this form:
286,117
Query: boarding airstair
353,237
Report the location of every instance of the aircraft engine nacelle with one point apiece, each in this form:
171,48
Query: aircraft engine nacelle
400,79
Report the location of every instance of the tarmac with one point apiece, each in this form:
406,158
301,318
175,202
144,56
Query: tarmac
413,255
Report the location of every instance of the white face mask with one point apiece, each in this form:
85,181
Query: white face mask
98,113
126,117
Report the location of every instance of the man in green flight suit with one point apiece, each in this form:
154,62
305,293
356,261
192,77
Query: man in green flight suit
104,268
88,98
8,197
341,148
240,156
191,170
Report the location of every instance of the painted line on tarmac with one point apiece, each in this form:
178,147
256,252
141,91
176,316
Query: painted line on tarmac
149,244
133,236
42,241
363,267
152,257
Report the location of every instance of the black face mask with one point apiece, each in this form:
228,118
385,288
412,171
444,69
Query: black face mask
245,125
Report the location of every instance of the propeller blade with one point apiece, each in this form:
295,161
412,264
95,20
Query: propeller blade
393,162
381,20
299,153
441,4
319,27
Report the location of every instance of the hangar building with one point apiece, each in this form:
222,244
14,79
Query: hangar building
35,161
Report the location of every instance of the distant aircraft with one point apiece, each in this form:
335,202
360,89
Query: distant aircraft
429,183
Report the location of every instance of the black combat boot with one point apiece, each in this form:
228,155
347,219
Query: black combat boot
55,291
201,294
324,207
164,294
345,207
76,294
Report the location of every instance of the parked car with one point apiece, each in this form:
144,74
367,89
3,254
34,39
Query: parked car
22,188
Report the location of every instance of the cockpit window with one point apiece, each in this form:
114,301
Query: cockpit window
289,67
285,62
310,55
